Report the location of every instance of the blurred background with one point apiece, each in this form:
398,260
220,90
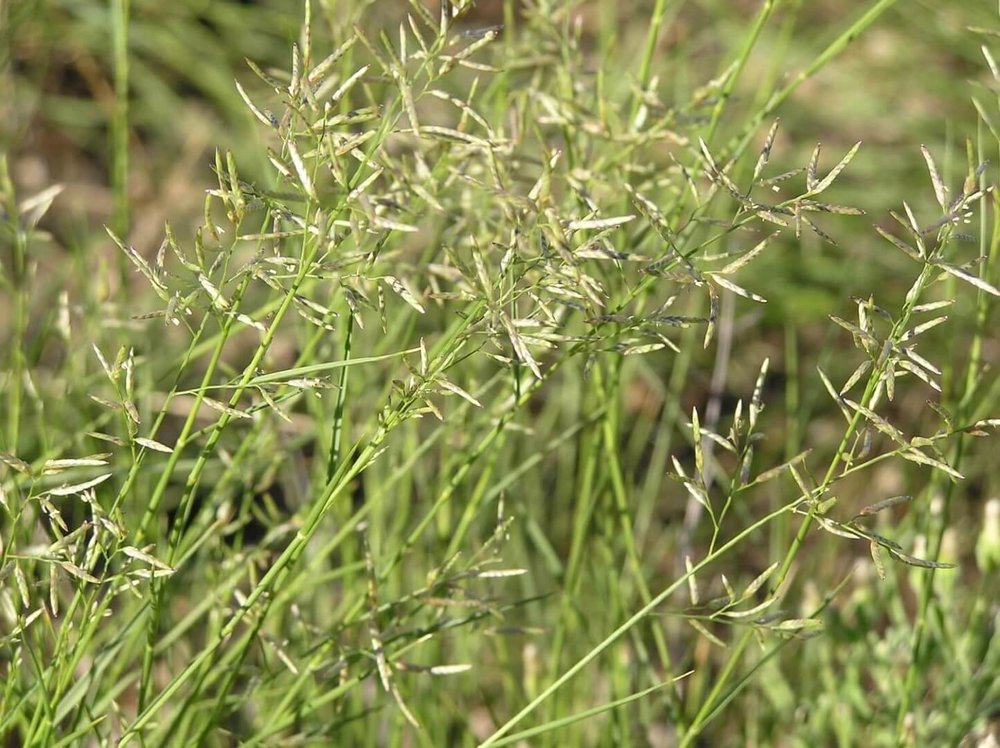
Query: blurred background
906,81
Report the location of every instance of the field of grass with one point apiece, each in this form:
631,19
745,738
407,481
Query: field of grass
388,373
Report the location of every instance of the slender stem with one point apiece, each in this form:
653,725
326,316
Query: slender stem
337,428
120,123
628,625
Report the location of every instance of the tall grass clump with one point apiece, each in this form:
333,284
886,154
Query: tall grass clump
458,422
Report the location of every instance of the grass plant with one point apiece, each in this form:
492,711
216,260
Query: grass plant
529,379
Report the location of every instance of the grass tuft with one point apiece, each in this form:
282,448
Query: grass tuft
465,378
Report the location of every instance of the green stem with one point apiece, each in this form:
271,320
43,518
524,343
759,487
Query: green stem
120,125
628,625
337,428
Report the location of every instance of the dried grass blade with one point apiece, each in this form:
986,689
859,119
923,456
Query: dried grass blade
739,290
269,80
348,84
78,488
599,223
915,455
765,151
517,342
968,277
455,389
742,260
940,191
811,170
253,107
404,292
835,171
901,245
300,169
152,444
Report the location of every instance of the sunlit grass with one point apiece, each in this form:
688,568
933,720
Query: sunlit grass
520,382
